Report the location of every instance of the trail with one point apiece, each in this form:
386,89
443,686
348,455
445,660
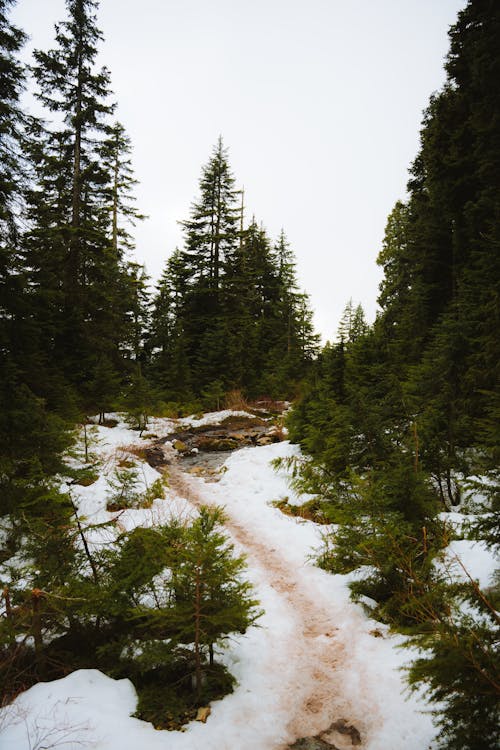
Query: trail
311,691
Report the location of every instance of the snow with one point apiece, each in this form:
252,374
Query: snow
478,560
314,658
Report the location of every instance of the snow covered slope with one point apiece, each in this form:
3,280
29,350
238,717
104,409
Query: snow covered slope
314,659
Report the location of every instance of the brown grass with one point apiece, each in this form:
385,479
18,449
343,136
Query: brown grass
236,400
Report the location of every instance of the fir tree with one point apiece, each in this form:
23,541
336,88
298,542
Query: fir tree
74,264
211,598
12,120
212,230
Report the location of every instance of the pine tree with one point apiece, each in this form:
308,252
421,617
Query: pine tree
12,120
211,236
211,598
250,293
68,84
212,230
167,343
228,313
352,323
73,265
458,667
417,399
12,80
115,153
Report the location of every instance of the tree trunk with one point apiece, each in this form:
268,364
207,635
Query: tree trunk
197,634
85,544
36,629
115,205
73,266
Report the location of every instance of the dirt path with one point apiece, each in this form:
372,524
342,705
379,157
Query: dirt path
314,691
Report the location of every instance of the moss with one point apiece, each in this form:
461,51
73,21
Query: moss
166,697
180,446
86,479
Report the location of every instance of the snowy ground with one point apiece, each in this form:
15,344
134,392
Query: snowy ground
314,659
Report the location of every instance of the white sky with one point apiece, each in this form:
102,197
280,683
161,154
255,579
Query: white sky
319,102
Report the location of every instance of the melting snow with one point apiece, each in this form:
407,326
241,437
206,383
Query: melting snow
315,657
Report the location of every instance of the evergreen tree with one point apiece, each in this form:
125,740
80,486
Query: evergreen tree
12,120
458,668
167,343
413,400
250,293
212,230
115,153
211,598
352,323
31,438
74,263
12,79
211,238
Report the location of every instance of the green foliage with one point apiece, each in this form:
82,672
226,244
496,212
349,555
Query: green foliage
228,313
312,510
149,606
165,695
139,401
213,395
399,419
212,598
352,323
101,391
459,670
124,492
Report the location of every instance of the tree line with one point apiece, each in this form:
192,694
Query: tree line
81,334
80,331
400,419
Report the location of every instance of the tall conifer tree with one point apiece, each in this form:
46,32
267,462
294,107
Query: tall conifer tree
75,249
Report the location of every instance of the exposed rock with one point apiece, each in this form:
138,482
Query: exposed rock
312,743
180,446
342,727
207,446
203,714
155,456
217,443
228,436
197,471
268,439
325,740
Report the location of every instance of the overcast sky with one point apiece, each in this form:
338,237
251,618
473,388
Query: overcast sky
318,101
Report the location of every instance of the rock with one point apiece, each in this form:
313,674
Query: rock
267,440
180,446
342,727
203,714
312,743
155,457
240,437
217,444
208,441
325,740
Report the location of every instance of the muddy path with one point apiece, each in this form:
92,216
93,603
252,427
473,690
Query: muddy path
315,704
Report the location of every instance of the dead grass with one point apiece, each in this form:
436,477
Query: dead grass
123,452
236,401
310,510
268,405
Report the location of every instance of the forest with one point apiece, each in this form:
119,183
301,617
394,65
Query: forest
397,421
